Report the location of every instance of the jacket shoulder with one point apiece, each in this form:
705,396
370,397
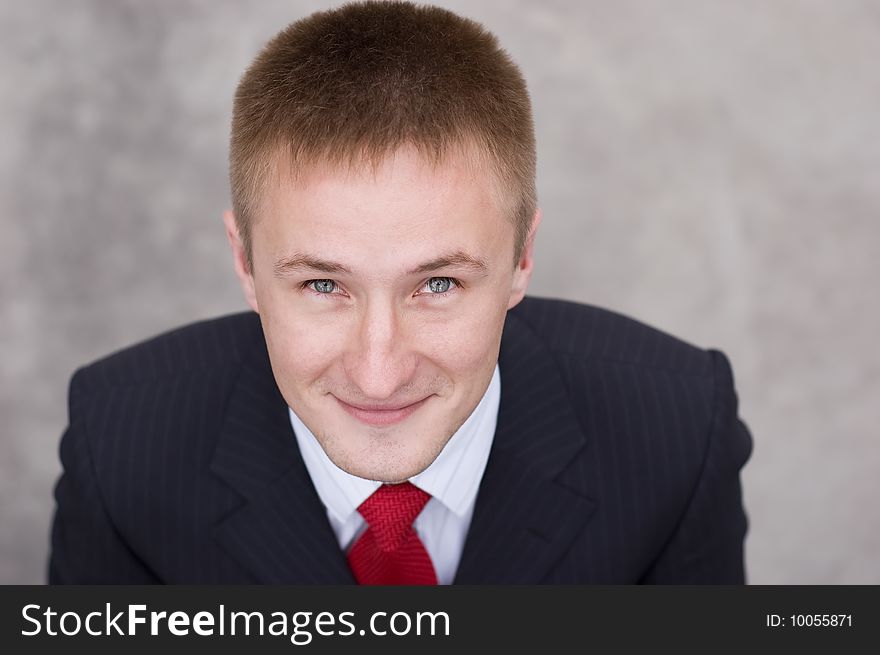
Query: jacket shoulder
193,348
586,331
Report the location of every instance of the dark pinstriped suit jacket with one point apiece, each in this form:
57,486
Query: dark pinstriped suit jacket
616,460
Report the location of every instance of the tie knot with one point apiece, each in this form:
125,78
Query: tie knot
390,512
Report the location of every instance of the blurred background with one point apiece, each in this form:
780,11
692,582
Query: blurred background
709,167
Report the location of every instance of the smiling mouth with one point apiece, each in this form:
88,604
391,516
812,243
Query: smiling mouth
381,415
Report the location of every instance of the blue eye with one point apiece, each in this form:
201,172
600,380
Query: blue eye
440,285
322,286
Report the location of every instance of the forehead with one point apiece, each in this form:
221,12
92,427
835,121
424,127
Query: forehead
400,191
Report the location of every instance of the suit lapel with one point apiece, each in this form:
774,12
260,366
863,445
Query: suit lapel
280,533
524,518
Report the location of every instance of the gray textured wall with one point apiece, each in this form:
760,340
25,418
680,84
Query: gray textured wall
710,167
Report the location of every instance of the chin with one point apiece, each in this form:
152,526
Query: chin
392,465
384,458
386,475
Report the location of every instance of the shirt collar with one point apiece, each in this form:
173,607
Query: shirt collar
453,478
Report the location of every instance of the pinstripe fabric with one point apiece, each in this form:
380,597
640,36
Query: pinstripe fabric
616,459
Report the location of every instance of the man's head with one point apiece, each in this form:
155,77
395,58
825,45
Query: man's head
382,165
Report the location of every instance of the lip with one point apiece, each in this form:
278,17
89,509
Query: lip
380,415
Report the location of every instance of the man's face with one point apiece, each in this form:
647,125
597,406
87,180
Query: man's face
382,297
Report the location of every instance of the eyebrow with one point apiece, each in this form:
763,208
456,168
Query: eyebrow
456,259
301,262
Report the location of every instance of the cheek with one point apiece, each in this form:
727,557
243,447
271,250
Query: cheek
300,348
463,343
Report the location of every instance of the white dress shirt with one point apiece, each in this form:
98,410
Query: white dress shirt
452,479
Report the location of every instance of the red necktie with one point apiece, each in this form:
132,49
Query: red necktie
389,551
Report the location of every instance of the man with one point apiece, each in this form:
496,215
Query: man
394,411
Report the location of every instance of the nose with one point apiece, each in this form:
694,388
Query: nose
379,358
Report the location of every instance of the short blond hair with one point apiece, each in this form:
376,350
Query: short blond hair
353,84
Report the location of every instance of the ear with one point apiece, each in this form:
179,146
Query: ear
239,257
523,272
